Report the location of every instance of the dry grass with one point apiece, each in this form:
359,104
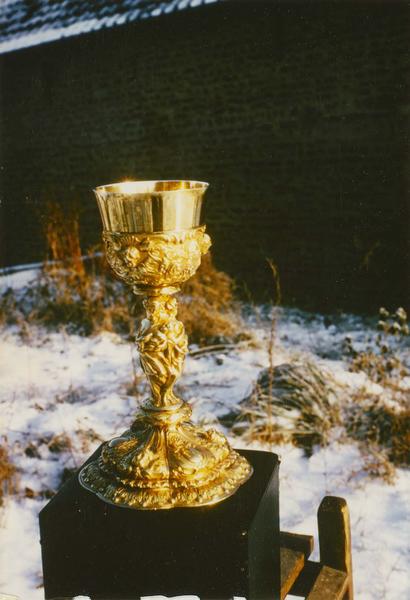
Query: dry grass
8,483
303,404
381,422
382,430
82,297
79,294
69,292
377,464
381,363
208,308
62,232
60,443
64,299
297,403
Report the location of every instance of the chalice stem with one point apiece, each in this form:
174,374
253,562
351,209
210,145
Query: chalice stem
162,344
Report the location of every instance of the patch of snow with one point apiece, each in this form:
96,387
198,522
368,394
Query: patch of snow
20,567
18,279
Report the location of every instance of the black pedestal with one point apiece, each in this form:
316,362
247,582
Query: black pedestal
107,552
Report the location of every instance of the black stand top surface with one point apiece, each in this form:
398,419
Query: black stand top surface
238,508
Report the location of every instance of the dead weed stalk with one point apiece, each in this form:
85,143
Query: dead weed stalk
8,483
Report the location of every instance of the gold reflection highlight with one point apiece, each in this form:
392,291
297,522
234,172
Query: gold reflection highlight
150,206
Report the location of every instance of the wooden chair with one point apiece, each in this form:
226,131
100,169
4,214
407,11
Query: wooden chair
331,578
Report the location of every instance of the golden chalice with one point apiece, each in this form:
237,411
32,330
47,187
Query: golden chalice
154,242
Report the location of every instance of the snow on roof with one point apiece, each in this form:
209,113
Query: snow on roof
25,23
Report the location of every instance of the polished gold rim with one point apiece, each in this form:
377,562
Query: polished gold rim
149,187
150,206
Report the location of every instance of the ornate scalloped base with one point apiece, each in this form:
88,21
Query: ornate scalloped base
158,467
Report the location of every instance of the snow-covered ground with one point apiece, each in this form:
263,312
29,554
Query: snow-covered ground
55,384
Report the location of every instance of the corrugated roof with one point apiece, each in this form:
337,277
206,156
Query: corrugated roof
25,23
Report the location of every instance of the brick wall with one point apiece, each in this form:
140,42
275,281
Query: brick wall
295,113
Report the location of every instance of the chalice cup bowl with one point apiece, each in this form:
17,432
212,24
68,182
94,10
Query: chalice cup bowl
154,241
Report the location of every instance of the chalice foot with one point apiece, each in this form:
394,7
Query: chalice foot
165,465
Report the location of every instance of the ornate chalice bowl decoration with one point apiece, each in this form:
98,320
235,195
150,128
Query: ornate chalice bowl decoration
154,242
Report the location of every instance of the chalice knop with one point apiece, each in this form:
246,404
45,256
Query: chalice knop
154,241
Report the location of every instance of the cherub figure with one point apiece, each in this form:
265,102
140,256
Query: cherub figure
162,344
